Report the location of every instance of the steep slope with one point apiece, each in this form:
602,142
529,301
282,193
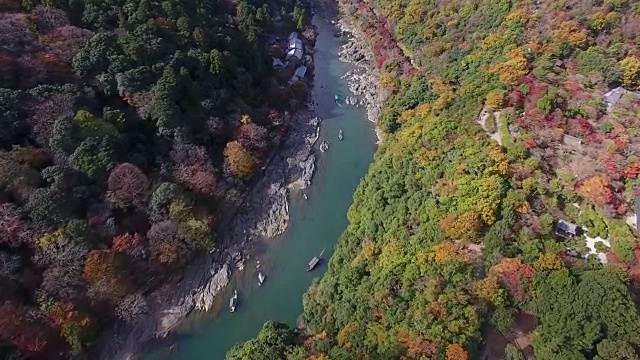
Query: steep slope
125,125
451,250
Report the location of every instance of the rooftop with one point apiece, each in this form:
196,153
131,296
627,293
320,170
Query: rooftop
566,229
295,53
614,95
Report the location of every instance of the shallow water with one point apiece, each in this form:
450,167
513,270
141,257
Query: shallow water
315,225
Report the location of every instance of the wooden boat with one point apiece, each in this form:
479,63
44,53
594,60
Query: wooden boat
261,278
233,301
340,135
315,261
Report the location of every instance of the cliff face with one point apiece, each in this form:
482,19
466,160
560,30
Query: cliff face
454,220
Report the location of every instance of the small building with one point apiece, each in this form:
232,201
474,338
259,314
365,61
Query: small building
301,71
566,229
295,44
571,140
299,74
557,63
277,64
295,53
613,96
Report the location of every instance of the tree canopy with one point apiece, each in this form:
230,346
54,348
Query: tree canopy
451,233
120,140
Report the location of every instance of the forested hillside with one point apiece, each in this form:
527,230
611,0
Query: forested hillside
125,125
500,125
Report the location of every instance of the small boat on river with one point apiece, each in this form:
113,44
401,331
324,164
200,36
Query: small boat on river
233,301
261,278
324,146
315,261
340,135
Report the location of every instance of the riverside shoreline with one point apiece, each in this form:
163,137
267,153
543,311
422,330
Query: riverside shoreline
261,212
364,78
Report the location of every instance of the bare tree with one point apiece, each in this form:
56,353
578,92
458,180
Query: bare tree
45,112
61,252
127,185
14,230
48,18
15,35
253,137
9,265
197,177
132,308
62,282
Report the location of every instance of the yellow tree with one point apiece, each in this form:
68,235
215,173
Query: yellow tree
495,99
548,262
571,32
490,291
513,69
461,227
631,72
445,251
238,160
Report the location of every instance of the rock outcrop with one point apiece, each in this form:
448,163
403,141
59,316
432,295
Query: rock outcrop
363,79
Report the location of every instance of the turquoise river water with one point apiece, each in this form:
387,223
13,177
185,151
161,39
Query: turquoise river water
315,224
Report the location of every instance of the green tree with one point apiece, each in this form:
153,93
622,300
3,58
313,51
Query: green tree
274,341
615,350
50,206
93,157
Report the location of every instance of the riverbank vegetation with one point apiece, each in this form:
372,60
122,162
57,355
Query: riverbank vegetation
126,125
452,250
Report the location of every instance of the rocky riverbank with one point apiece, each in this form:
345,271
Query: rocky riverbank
263,212
364,78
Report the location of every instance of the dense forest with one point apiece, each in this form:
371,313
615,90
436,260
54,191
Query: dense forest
126,126
501,121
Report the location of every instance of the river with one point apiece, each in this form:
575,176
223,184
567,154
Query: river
315,224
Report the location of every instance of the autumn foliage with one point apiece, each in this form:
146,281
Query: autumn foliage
456,352
515,276
445,252
416,345
127,186
461,227
597,190
103,270
125,242
27,334
238,160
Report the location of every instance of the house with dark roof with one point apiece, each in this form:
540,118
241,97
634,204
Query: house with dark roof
558,63
566,229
